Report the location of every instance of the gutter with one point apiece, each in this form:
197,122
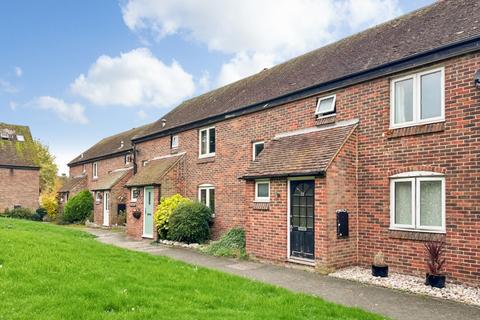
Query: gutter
7,166
319,174
102,157
435,55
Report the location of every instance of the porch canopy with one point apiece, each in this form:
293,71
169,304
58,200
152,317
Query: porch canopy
153,172
73,183
306,152
107,182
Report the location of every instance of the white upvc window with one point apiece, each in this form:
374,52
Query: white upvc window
134,194
262,190
257,147
417,98
95,170
98,196
417,202
206,195
84,168
326,105
206,142
174,141
128,158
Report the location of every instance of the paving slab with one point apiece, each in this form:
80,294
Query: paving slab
391,303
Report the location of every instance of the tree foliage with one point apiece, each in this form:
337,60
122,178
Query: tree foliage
48,169
79,207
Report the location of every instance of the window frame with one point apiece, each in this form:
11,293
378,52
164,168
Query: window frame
329,112
206,187
254,144
133,199
415,179
417,98
98,197
209,153
128,158
262,199
172,140
95,170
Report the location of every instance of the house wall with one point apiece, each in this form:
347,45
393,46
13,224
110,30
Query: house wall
19,187
451,148
118,194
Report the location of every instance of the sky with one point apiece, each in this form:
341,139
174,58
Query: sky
79,71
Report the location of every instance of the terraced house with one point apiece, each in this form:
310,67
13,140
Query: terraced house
19,174
103,169
368,144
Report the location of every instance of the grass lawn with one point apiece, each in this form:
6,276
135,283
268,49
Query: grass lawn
53,272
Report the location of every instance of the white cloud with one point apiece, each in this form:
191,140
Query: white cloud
135,78
257,33
12,105
18,71
204,82
142,115
69,112
7,87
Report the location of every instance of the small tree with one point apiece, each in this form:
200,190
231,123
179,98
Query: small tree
79,207
164,212
48,169
190,222
49,202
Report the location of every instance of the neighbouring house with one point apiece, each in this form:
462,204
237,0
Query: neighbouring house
104,169
19,174
369,144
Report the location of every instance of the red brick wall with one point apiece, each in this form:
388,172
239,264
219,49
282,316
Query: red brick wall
19,187
452,148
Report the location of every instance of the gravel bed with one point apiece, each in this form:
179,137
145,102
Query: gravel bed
413,284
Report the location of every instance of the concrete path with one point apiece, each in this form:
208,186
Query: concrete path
391,303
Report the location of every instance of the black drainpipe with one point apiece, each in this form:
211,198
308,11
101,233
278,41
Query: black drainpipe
134,158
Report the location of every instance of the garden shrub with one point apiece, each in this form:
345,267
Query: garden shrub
19,213
78,208
39,214
49,201
164,212
231,244
190,222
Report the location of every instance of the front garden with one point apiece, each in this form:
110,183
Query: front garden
52,272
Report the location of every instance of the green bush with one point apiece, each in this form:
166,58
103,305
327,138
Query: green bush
190,222
39,214
164,212
19,213
78,208
231,244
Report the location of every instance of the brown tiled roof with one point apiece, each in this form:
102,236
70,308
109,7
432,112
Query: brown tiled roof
153,172
13,151
109,145
108,181
442,23
307,153
72,182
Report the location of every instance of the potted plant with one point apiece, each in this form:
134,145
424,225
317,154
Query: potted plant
435,251
379,267
137,214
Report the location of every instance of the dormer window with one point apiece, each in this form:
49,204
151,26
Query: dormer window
325,106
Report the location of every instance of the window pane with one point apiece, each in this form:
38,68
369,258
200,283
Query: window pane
212,199
431,203
431,95
325,105
403,202
203,196
258,148
203,142
403,101
212,140
262,190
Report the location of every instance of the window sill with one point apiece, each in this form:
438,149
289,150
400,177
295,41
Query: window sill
206,159
262,206
418,235
415,130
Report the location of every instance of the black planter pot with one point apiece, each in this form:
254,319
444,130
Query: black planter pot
136,214
436,281
379,271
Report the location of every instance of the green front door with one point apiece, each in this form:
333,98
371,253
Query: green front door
148,212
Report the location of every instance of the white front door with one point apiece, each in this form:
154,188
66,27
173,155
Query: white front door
106,208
